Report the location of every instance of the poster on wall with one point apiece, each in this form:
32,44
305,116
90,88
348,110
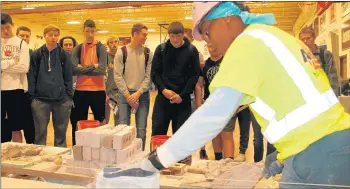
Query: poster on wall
345,35
322,22
316,26
345,8
332,13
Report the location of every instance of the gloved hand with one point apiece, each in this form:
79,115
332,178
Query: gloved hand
272,166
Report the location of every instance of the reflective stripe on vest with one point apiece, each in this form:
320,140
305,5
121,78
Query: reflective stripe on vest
315,105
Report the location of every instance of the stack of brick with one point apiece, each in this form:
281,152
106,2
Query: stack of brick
106,145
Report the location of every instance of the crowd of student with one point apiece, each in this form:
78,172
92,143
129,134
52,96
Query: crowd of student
65,79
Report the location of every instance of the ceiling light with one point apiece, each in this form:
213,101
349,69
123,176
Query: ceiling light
102,31
188,18
73,22
151,30
28,8
125,20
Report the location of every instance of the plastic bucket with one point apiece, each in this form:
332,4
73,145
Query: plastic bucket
158,140
83,124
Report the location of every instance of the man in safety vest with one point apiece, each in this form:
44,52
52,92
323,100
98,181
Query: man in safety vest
287,90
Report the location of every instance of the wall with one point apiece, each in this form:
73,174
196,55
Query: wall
324,37
37,30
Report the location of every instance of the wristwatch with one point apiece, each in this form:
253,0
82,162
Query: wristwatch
153,158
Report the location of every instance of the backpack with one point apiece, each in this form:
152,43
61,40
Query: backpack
39,56
98,46
125,56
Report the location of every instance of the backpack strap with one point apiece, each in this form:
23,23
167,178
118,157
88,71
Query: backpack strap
322,57
99,45
20,45
125,55
79,52
147,52
38,56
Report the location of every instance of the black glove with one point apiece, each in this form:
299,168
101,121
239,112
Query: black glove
272,165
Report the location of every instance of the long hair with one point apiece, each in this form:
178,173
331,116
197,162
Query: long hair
68,37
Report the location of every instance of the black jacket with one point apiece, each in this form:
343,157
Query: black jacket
50,82
176,69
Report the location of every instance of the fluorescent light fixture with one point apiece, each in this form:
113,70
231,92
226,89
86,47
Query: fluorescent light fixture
28,8
73,22
151,30
125,20
102,31
188,18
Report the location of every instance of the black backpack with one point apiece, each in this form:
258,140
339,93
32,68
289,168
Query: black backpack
125,56
98,46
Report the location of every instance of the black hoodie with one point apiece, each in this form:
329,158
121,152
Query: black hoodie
176,69
48,78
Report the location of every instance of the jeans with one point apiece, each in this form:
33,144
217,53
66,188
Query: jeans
140,115
29,128
244,126
325,162
60,117
259,141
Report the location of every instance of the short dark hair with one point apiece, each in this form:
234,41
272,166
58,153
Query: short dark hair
68,37
6,18
137,28
308,30
242,6
176,28
23,28
89,23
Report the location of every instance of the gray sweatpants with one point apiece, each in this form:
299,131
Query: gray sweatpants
324,163
60,117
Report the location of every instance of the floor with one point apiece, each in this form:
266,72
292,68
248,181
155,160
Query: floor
249,153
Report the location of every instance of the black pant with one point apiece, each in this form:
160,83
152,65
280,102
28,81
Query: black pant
82,100
259,141
29,128
12,103
244,126
164,111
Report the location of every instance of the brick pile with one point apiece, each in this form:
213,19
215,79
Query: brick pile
106,145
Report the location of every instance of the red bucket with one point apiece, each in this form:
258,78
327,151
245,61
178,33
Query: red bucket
158,140
83,124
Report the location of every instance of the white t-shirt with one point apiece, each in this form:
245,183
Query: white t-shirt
14,64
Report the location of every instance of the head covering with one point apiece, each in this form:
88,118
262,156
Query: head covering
220,10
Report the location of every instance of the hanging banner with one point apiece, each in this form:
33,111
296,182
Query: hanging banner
345,35
332,13
322,22
322,6
345,8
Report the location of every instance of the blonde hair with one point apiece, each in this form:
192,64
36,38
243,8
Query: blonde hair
51,27
112,37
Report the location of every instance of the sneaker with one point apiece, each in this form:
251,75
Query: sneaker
240,158
203,155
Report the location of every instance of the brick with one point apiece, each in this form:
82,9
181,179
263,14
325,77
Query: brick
107,155
95,140
132,129
107,138
87,153
78,152
138,145
77,163
122,139
82,137
123,155
69,161
95,154
102,165
86,164
94,164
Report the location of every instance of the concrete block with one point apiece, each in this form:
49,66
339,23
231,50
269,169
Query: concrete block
82,137
94,165
107,155
69,162
102,165
87,153
122,139
132,129
95,154
138,145
124,154
78,152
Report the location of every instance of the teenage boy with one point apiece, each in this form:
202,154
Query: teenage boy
132,75
89,61
24,33
50,88
14,67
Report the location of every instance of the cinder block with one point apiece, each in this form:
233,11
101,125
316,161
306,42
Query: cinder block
86,164
94,164
107,137
87,153
123,155
95,154
78,152
70,162
138,145
122,139
82,137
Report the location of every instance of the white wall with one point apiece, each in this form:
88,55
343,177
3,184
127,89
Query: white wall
324,37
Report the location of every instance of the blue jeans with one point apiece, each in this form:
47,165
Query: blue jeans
325,162
140,115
